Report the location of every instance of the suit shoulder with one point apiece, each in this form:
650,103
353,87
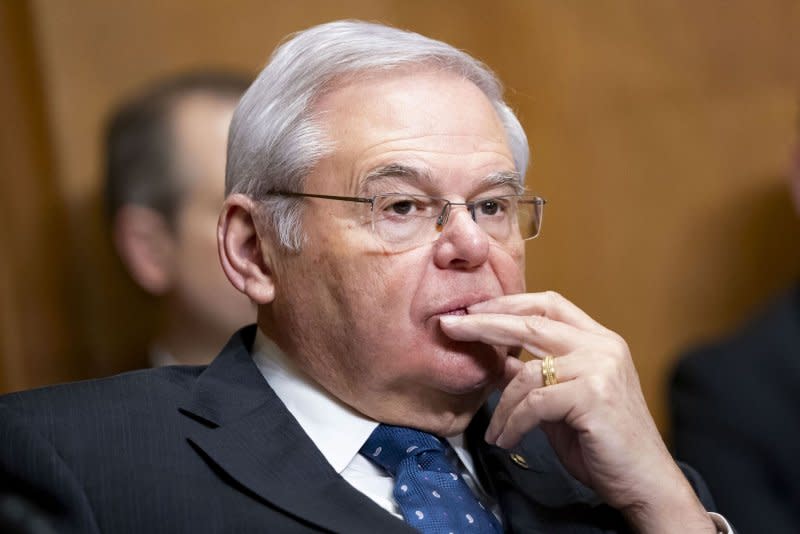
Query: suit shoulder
773,331
123,390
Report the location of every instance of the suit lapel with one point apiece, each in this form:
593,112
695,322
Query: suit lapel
535,492
246,431
536,469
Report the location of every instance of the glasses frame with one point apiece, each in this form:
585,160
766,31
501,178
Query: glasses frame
443,217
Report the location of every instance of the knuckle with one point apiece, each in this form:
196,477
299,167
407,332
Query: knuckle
600,388
606,364
554,298
527,408
530,371
621,344
618,348
534,323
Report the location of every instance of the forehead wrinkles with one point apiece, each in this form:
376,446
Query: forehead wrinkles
465,153
397,174
437,143
429,168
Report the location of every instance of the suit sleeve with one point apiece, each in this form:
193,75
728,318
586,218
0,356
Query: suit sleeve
38,482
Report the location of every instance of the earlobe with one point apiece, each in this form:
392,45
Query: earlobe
240,250
145,244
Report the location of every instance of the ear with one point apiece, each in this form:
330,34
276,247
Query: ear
146,245
240,250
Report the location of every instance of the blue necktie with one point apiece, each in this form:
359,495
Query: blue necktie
432,497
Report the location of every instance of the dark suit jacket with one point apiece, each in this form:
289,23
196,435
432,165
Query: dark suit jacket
736,418
193,449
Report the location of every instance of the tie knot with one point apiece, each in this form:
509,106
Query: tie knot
389,445
431,495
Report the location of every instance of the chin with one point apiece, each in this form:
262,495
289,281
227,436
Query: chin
465,372
436,411
471,395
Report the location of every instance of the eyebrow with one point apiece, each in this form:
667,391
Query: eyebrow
511,179
422,177
412,175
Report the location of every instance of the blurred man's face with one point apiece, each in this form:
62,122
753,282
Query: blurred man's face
200,292
362,318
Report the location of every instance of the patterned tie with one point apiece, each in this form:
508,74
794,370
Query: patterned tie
432,497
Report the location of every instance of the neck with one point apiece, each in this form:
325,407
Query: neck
190,344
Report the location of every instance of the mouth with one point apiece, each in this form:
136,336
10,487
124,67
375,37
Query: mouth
457,306
457,311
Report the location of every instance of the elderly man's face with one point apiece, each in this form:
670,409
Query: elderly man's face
361,317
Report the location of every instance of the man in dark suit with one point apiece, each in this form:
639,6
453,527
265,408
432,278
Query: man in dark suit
377,216
743,391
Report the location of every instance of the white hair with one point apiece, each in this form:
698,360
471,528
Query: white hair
275,141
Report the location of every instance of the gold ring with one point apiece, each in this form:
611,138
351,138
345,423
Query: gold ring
549,370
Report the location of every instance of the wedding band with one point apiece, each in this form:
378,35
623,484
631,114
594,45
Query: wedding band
549,370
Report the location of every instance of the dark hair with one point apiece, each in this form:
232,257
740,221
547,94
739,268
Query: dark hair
139,147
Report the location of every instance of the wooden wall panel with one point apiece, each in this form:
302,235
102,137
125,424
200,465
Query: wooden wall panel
661,134
37,345
664,146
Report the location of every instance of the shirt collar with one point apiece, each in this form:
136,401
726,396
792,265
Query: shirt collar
158,357
336,429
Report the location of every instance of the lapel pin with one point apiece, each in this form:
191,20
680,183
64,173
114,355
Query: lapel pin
519,460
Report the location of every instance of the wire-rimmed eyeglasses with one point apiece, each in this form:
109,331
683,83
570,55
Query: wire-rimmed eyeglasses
409,220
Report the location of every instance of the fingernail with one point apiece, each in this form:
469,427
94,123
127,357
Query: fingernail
476,308
449,320
500,442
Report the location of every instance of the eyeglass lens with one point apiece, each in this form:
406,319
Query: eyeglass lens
415,219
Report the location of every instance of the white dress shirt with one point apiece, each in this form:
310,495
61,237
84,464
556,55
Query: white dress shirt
339,432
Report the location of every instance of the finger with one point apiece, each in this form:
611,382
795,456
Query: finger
527,378
548,404
536,334
549,304
512,367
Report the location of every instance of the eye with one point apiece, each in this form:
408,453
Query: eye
398,206
489,206
401,207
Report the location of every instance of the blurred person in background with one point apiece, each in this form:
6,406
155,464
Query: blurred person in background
165,182
735,410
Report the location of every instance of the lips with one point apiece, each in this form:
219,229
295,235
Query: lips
458,311
458,306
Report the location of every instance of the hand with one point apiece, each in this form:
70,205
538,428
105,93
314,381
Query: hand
596,417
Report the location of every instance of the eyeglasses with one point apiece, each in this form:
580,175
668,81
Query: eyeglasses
408,220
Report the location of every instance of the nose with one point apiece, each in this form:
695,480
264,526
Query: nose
462,244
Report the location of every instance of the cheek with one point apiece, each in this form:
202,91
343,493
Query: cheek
509,267
197,232
371,298
365,288
201,274
200,258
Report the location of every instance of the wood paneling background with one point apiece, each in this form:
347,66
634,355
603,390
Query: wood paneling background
661,135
